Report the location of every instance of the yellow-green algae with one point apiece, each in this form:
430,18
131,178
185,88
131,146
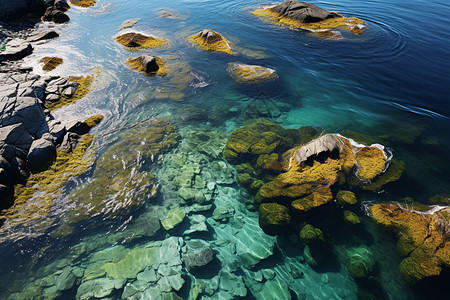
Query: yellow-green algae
83,88
251,73
341,22
351,218
94,120
50,63
44,186
219,45
310,234
83,3
423,238
136,64
137,41
346,198
121,178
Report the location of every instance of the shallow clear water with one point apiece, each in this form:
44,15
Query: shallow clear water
392,83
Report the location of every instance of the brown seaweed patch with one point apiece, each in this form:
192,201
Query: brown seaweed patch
50,63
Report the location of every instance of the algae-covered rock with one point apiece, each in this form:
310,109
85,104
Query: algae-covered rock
119,180
174,217
424,238
250,73
371,162
310,234
212,41
360,262
393,173
346,198
83,3
440,200
83,87
351,218
308,16
148,64
273,218
136,41
262,137
50,63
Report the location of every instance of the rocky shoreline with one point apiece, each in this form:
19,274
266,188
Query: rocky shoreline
29,134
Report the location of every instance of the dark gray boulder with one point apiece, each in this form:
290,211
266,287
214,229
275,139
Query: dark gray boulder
77,127
41,155
53,14
42,35
24,110
70,141
6,196
302,11
14,145
57,131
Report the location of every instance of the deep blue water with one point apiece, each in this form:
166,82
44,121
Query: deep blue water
391,83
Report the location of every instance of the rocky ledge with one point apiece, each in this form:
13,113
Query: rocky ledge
308,16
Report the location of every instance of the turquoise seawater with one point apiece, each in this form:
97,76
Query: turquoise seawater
391,83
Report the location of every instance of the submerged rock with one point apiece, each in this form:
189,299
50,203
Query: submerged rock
346,198
360,262
210,40
174,217
137,41
198,254
308,16
424,238
251,73
129,23
99,288
273,218
309,234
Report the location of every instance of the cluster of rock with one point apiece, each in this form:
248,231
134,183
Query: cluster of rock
29,133
296,184
308,16
424,237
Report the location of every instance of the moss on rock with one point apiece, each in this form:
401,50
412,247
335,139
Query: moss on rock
346,198
137,41
50,63
212,41
44,186
250,73
351,218
339,22
138,64
274,218
84,87
310,234
423,238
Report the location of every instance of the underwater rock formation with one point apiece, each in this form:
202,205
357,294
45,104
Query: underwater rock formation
212,41
308,16
250,73
424,237
121,178
360,262
148,64
136,41
296,172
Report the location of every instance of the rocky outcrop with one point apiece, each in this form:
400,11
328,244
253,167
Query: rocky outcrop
11,9
308,16
424,237
212,41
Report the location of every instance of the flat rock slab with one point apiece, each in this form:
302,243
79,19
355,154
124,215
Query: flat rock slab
42,35
15,50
